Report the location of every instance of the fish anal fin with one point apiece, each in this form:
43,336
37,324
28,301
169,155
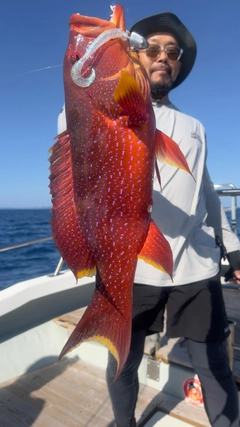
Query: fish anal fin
67,234
129,96
103,323
157,251
167,151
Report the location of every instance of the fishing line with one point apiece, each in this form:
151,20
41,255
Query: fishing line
39,69
32,71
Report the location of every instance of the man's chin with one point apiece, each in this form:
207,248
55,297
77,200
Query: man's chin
159,90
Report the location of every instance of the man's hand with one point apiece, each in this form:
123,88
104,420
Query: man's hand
236,277
233,276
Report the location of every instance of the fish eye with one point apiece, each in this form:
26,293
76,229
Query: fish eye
74,58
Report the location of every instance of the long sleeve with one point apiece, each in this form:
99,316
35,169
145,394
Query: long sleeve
217,218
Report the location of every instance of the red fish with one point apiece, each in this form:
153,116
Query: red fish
101,177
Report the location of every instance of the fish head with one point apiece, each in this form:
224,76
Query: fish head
97,52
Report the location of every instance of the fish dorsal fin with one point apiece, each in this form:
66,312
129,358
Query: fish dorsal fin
167,151
67,233
129,96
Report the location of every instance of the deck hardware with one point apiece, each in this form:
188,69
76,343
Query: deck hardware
153,369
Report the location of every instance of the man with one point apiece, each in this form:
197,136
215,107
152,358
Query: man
190,216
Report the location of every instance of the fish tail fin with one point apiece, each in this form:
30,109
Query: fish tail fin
103,323
167,151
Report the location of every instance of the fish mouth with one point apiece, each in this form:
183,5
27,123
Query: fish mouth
117,17
92,27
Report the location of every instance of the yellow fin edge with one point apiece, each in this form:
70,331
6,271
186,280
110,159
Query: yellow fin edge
86,273
107,343
149,261
102,340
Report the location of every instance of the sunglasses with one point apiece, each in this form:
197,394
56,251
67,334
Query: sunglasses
153,51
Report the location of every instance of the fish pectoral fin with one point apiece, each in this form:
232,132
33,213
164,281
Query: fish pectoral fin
156,250
129,96
167,151
104,323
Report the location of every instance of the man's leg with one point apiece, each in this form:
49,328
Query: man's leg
124,390
211,364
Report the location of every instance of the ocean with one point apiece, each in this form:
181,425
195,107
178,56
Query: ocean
20,226
23,225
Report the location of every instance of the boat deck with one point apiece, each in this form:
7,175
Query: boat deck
73,393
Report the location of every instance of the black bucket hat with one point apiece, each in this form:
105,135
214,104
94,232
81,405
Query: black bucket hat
169,23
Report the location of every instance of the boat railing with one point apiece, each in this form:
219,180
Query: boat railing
23,244
229,190
59,267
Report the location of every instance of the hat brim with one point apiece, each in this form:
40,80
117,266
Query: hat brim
169,23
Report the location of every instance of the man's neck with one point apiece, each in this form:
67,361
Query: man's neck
163,101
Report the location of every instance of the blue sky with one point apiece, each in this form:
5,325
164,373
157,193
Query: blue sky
34,35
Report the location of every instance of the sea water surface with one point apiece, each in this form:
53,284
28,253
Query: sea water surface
23,225
19,226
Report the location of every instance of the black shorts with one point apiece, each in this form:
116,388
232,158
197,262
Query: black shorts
195,311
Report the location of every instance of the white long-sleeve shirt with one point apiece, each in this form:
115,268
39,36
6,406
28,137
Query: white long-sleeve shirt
187,212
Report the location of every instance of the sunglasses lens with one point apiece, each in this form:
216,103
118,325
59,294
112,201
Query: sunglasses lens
153,51
172,52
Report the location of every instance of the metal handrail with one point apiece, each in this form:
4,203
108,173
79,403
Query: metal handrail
21,245
231,287
230,190
59,267
32,242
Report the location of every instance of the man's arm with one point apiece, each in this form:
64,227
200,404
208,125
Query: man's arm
217,219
